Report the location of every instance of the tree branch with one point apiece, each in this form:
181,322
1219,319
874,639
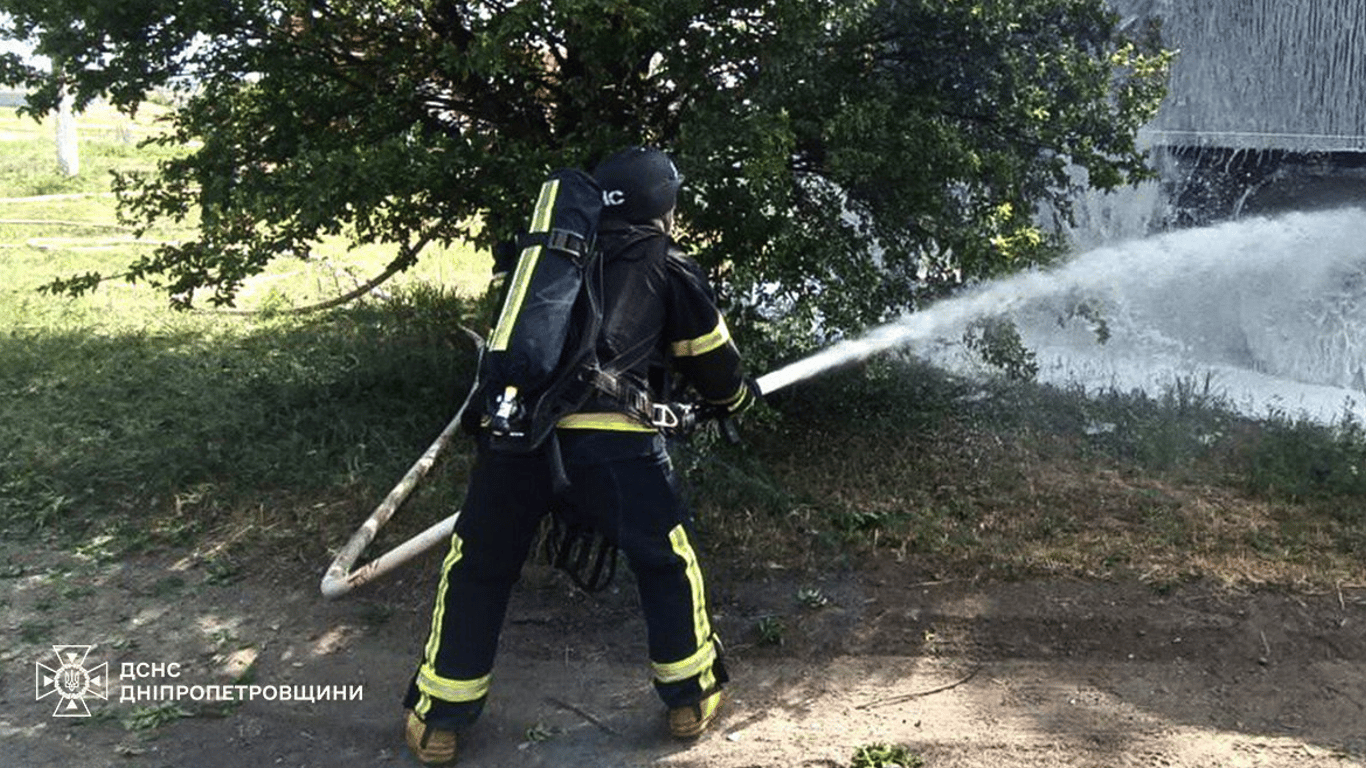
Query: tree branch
407,256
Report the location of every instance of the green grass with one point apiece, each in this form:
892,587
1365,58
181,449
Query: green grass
108,141
120,415
181,423
886,756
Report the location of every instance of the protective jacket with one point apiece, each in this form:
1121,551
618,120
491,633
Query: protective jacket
659,313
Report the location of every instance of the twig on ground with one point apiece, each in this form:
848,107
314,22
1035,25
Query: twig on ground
921,694
586,715
1345,695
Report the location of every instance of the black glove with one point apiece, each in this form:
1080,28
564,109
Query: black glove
748,398
749,395
724,413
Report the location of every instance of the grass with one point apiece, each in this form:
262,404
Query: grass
108,141
1010,479
126,425
122,418
152,717
886,756
176,428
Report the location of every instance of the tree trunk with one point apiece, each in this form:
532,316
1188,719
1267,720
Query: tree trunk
68,152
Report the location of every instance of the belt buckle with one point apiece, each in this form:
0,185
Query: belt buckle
663,416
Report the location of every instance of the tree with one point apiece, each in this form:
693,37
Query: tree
68,144
845,159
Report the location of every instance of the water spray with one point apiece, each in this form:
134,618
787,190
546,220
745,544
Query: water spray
1281,298
918,326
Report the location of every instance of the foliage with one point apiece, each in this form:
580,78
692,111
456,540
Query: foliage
846,160
885,756
770,630
1300,460
997,340
811,597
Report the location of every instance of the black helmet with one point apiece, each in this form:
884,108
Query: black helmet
639,185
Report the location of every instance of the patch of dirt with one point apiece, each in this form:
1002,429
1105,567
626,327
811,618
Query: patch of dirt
968,675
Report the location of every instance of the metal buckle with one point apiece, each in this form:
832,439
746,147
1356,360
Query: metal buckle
639,403
571,243
664,417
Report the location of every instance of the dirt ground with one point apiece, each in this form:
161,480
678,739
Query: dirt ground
967,675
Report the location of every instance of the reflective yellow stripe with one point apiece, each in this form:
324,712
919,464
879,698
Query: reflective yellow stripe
446,689
429,683
424,702
705,343
707,680
541,220
521,281
617,422
439,612
678,539
526,265
695,664
735,398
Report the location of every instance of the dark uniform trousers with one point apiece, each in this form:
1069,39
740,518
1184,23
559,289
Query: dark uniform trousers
623,483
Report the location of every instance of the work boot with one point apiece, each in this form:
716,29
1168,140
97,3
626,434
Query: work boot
429,745
689,722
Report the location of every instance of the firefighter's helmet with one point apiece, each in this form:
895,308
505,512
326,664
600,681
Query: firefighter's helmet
639,185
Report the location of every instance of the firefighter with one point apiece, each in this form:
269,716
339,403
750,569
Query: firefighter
620,479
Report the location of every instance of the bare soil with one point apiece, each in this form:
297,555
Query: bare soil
1049,672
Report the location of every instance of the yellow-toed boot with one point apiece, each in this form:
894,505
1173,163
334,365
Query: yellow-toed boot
429,745
689,722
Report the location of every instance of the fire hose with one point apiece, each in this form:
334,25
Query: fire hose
340,578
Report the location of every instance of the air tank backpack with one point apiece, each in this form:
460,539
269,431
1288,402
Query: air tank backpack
536,366
541,362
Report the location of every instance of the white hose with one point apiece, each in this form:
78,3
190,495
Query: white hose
339,578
